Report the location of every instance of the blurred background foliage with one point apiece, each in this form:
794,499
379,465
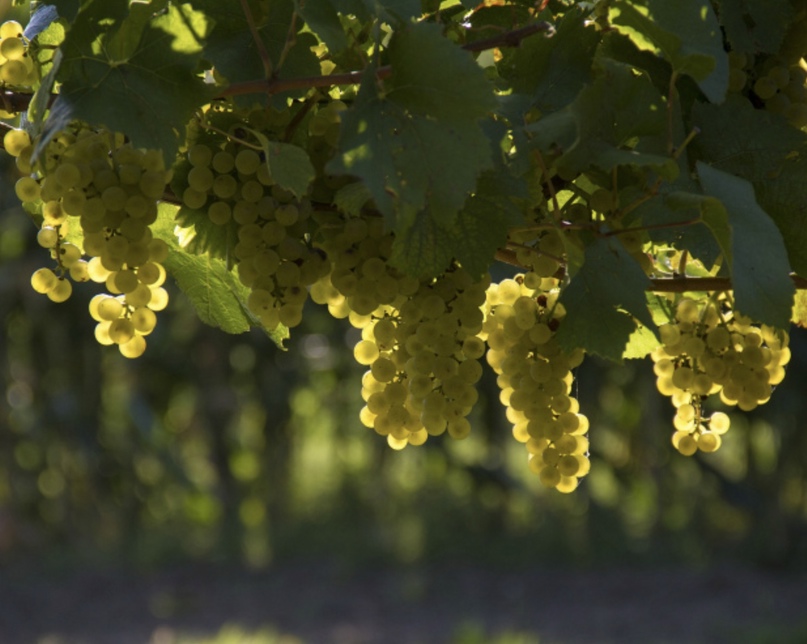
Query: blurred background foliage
224,448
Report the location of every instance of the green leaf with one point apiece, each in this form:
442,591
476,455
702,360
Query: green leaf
602,126
686,33
411,162
454,89
215,292
548,73
641,342
289,165
754,26
322,18
760,271
134,75
423,249
233,52
350,199
685,204
481,229
772,155
602,300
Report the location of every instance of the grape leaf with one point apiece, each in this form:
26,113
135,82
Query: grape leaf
233,52
686,33
641,342
289,165
322,18
602,300
456,89
134,75
215,292
760,271
67,9
423,249
548,73
754,26
601,127
350,199
772,155
418,145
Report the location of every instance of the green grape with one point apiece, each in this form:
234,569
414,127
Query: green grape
194,199
48,237
143,320
765,88
43,280
247,161
61,291
15,141
11,29
225,186
14,72
201,179
121,330
200,155
223,162
737,80
132,348
219,212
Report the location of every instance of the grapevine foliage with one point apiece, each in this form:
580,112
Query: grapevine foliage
638,164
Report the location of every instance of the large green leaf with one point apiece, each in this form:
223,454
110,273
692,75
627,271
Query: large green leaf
454,89
686,33
548,73
602,300
423,248
760,271
234,53
753,26
215,292
772,155
602,126
416,143
133,73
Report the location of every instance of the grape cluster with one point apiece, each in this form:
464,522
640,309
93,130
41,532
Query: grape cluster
535,377
778,83
706,350
275,260
100,185
419,337
17,69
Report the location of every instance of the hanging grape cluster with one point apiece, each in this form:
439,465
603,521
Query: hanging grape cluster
708,349
16,67
96,184
275,260
535,377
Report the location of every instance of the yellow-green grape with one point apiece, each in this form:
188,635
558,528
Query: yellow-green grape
133,348
44,280
61,291
765,88
15,141
11,29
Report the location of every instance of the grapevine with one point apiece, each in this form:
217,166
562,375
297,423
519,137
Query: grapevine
629,199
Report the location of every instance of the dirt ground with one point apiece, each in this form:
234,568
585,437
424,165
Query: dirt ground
319,603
